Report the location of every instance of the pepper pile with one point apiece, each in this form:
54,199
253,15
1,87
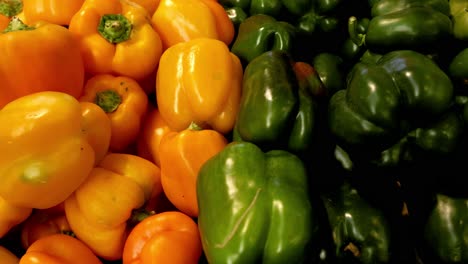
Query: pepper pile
233,131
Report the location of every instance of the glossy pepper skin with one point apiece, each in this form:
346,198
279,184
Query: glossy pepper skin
54,60
199,81
125,103
307,16
260,33
361,232
167,237
11,216
181,155
254,206
97,128
52,11
388,98
98,211
58,249
409,24
182,20
445,230
34,172
275,111
116,37
459,15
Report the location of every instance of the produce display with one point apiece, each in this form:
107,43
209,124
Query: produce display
233,131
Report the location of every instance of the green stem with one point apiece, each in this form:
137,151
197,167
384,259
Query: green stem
16,25
357,38
115,28
108,100
139,215
194,126
10,8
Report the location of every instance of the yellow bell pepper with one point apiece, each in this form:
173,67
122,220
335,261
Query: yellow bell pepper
116,37
7,257
124,102
99,211
11,216
45,154
199,81
182,20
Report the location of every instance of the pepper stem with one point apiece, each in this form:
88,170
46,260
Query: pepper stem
108,100
16,25
357,38
139,215
194,126
10,8
115,28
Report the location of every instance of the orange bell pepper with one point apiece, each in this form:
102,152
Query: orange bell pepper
45,155
97,128
182,154
182,20
98,211
53,11
59,249
153,130
116,37
11,216
42,223
125,103
7,257
39,57
199,81
168,237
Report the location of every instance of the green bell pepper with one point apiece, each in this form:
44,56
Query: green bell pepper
306,15
459,14
409,24
260,33
402,94
458,69
361,232
446,229
275,112
255,207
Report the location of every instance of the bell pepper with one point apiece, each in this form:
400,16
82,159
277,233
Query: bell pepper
361,231
116,38
445,230
58,249
458,68
42,223
149,5
199,81
7,256
153,129
42,129
459,16
181,155
99,209
307,16
182,20
260,33
255,207
275,111
11,216
124,102
9,9
391,99
419,25
53,11
96,126
54,61
168,237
